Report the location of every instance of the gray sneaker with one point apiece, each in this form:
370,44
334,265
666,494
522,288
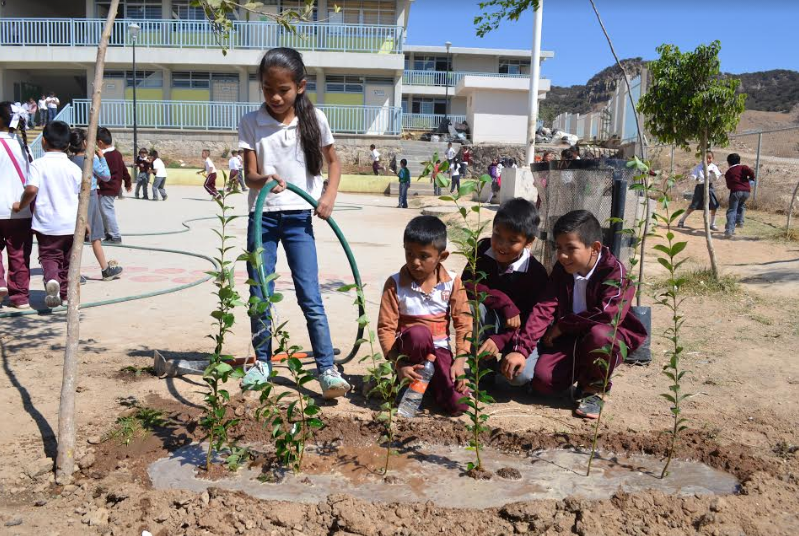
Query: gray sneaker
589,406
53,289
257,375
111,272
333,385
714,228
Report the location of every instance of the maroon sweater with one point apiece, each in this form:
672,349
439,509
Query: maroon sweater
603,303
512,293
119,174
738,177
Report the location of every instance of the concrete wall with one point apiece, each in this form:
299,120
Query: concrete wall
42,9
479,64
457,105
498,116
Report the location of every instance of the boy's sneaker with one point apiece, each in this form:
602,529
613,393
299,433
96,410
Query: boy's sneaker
111,272
739,225
680,225
257,375
20,305
53,289
3,292
714,228
589,406
728,236
333,385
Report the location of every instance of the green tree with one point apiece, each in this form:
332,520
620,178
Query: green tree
689,101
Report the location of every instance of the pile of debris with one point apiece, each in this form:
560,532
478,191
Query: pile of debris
449,132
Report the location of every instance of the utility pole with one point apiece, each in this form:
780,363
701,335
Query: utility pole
535,76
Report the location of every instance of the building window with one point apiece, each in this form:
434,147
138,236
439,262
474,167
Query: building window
183,10
430,63
131,9
200,79
509,66
429,106
144,79
382,12
344,84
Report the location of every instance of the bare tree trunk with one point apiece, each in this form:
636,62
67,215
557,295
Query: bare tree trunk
65,461
706,211
790,210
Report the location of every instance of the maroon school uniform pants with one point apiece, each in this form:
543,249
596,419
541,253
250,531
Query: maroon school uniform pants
573,359
210,185
16,238
54,258
416,343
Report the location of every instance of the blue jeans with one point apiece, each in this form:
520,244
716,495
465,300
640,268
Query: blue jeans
294,229
403,194
736,210
51,113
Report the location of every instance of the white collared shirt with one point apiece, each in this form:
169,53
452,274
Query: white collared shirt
519,265
279,151
11,186
579,302
233,163
58,180
698,173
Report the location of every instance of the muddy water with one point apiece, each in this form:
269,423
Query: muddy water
436,473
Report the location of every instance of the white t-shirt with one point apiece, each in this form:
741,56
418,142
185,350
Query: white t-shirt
579,302
209,166
451,153
42,104
53,102
233,163
58,180
698,173
375,156
159,168
11,186
278,151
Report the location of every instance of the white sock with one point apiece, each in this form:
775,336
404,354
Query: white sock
712,220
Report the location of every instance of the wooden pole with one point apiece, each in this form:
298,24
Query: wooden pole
790,211
65,461
714,268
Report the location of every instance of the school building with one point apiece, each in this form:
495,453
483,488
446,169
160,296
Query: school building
362,74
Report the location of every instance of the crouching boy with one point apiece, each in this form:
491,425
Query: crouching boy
415,311
512,282
572,320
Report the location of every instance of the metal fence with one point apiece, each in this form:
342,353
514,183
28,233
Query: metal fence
444,78
599,186
65,115
225,116
427,121
257,35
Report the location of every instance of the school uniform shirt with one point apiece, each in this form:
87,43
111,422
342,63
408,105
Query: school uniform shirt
511,291
233,163
279,151
698,173
375,155
119,173
738,177
159,168
43,104
58,180
209,166
602,303
53,102
451,153
405,303
11,186
579,303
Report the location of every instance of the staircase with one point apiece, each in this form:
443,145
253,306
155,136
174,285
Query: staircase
417,152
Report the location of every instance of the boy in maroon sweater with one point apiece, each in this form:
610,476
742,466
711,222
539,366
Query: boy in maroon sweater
108,191
513,281
737,177
572,319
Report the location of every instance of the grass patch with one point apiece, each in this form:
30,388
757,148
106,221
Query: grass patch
701,283
138,371
139,424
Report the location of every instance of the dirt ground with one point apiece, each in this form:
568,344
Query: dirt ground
740,349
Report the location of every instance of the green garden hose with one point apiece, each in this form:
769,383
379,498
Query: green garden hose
259,244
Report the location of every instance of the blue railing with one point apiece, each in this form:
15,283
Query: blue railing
65,115
427,121
210,115
257,35
443,78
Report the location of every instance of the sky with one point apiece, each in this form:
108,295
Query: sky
755,35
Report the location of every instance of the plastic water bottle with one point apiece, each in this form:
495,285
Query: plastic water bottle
412,398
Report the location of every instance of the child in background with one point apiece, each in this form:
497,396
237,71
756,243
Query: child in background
108,191
374,154
738,179
404,175
455,171
698,200
513,281
209,171
143,169
493,172
450,154
573,317
287,140
236,177
159,172
94,221
415,311
55,184
466,156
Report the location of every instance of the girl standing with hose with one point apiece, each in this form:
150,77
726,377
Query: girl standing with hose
287,140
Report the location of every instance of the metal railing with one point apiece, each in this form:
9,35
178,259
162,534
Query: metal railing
65,115
443,78
225,116
427,121
202,34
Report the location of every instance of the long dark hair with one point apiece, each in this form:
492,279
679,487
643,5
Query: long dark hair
5,116
308,124
76,139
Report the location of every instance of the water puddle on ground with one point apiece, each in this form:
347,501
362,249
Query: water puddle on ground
436,473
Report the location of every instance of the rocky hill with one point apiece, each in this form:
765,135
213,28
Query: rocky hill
770,91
